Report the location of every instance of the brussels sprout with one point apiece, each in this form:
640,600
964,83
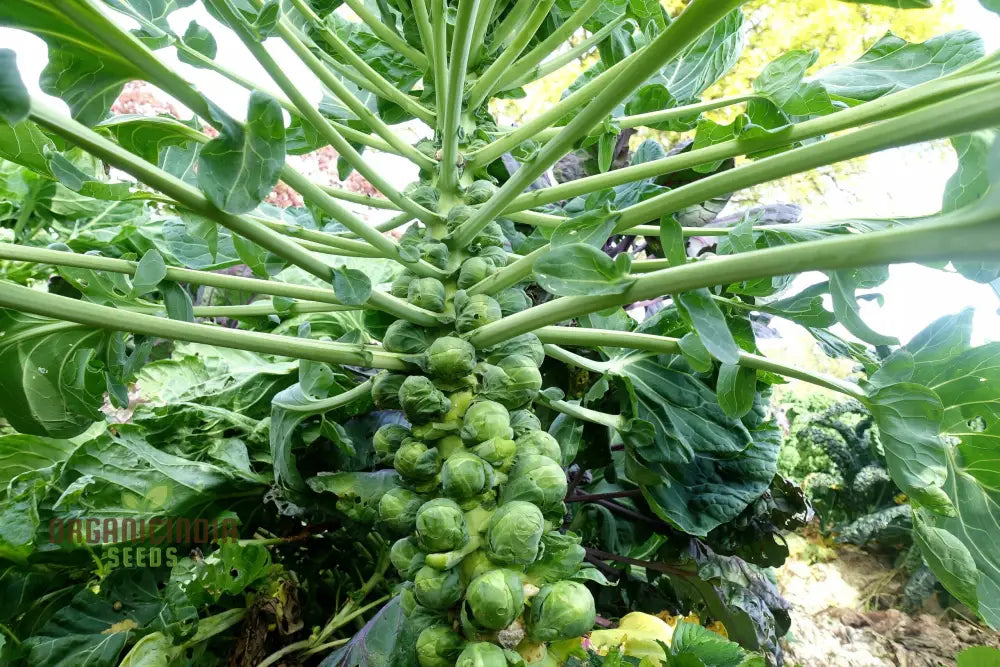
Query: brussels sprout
473,270
426,293
385,390
464,475
497,451
406,557
457,215
440,526
424,195
491,236
405,337
437,589
435,253
388,439
398,509
523,422
514,533
485,420
539,442
438,646
416,461
514,382
481,654
450,358
562,610
421,400
494,599
561,558
479,192
526,345
513,300
401,284
495,254
476,311
427,147
536,479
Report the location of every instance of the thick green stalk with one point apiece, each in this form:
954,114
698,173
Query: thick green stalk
319,122
966,113
387,35
27,300
184,194
264,309
664,116
882,108
963,235
526,64
458,61
439,29
510,275
698,17
349,132
486,84
309,59
378,300
483,20
555,64
376,82
511,22
594,338
331,242
384,244
358,198
422,17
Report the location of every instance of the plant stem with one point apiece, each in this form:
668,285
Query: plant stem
349,132
439,31
964,234
289,36
522,67
378,300
483,20
27,300
458,61
346,398
376,82
591,497
965,113
666,115
485,85
649,565
664,345
331,242
886,107
386,34
186,195
510,23
615,84
508,276
586,414
357,198
422,18
548,67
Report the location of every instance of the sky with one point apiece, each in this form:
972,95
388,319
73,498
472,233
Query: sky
899,182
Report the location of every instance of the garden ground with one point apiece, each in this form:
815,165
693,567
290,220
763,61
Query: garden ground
843,613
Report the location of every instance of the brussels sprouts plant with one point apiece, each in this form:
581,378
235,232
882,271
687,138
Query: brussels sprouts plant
532,395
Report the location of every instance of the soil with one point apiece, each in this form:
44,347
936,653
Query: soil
842,617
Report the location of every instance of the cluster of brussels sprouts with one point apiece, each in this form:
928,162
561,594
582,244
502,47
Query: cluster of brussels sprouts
479,501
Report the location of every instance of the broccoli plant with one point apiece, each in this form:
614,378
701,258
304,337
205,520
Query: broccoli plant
474,387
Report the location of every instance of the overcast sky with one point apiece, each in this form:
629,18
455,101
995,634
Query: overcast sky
900,182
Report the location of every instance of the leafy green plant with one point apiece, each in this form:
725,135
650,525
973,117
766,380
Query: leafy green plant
473,389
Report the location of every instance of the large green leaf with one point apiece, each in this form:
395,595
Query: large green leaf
50,371
237,169
577,269
86,72
15,102
940,367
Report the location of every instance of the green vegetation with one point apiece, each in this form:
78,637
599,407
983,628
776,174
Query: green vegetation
531,410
